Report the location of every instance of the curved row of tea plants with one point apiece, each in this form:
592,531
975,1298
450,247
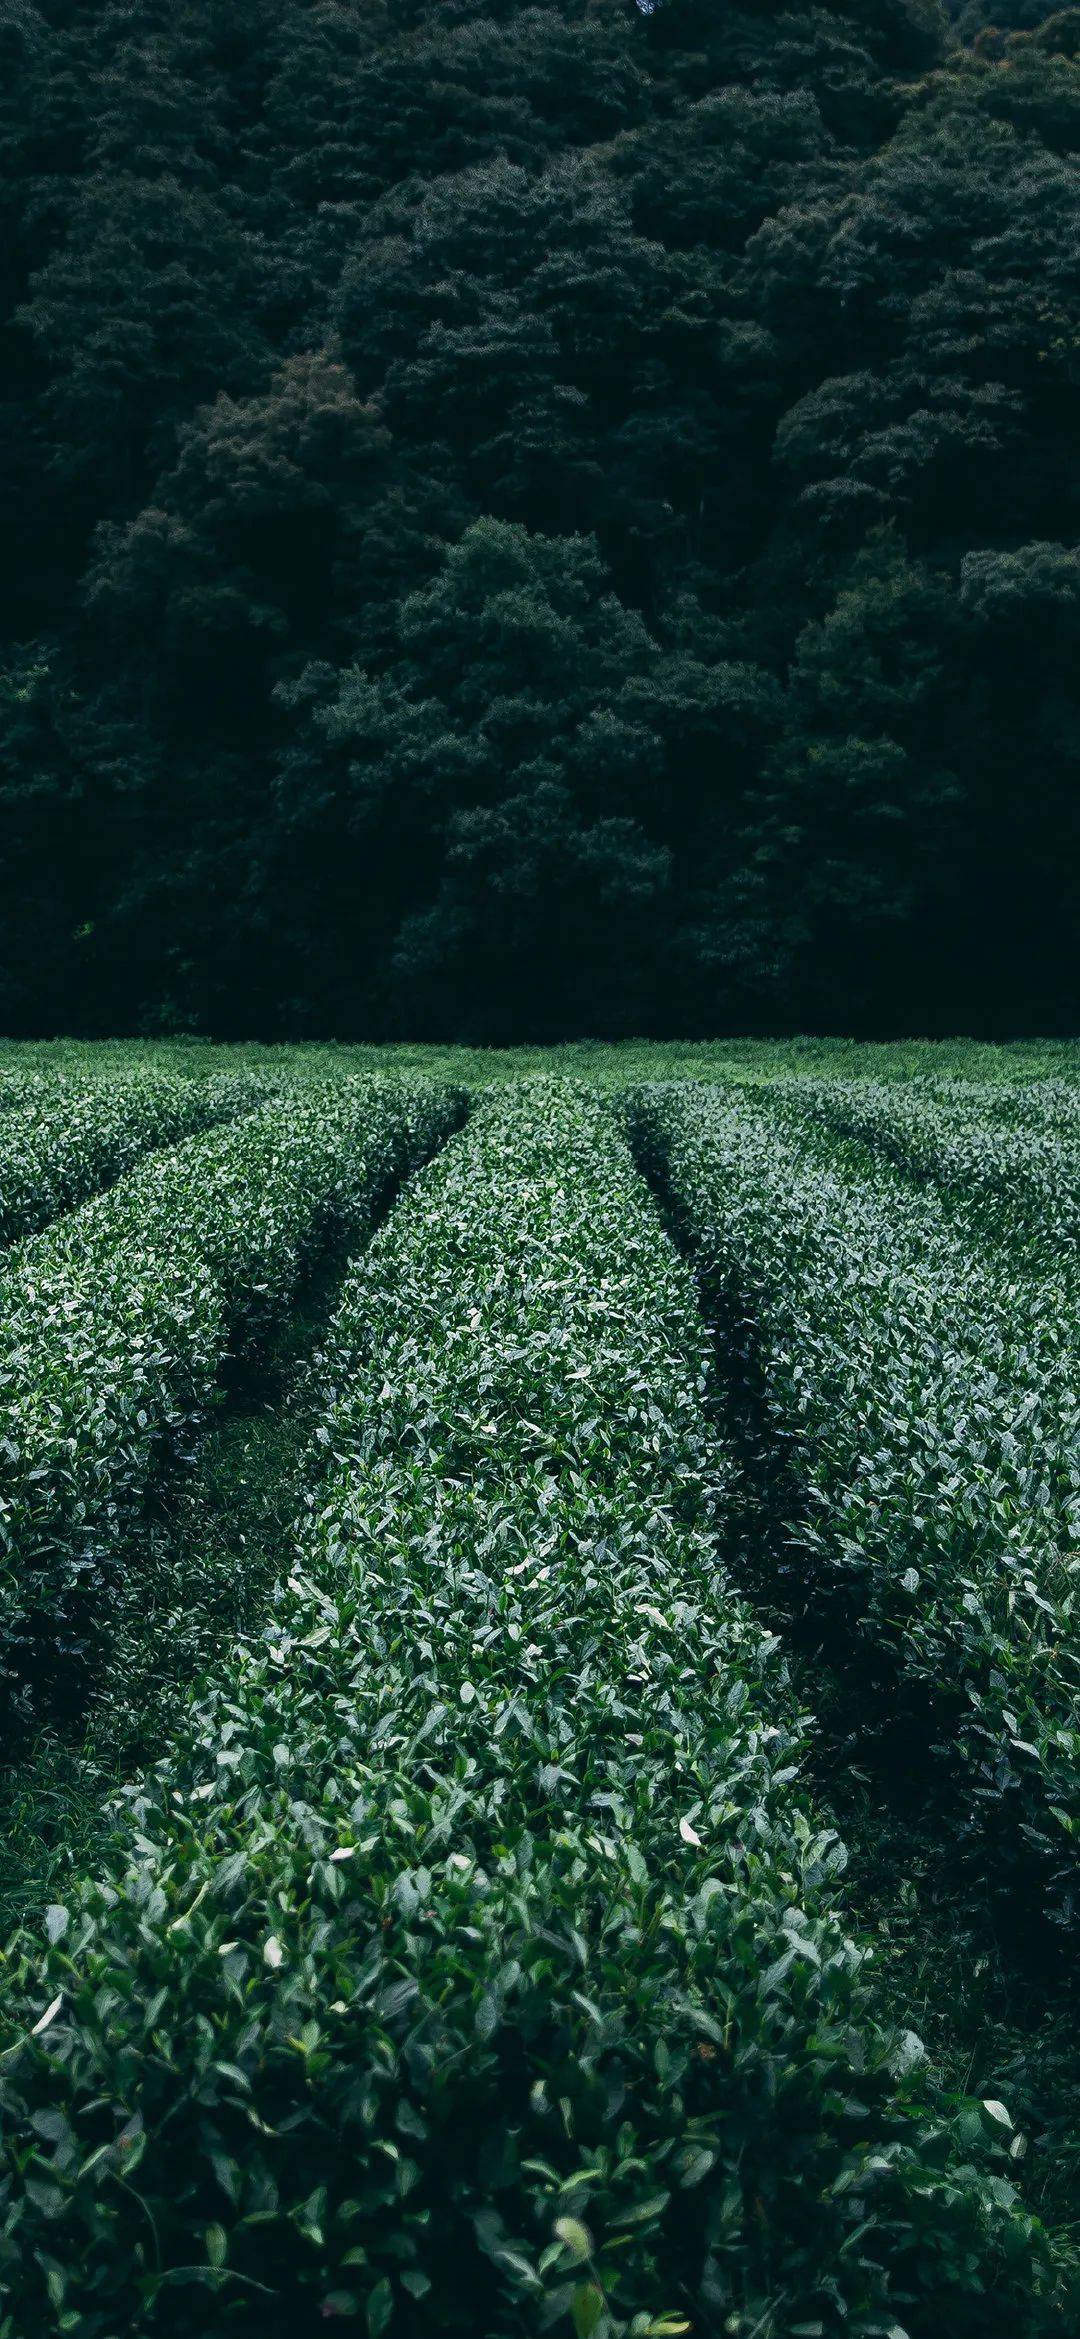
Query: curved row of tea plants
115,1324
470,1964
70,1139
1019,1181
923,1395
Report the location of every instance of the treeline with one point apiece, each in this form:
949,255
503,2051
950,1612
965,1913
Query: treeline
530,519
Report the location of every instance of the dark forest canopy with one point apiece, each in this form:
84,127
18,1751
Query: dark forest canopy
531,519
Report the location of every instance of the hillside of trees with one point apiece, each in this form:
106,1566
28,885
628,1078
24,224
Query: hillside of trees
537,519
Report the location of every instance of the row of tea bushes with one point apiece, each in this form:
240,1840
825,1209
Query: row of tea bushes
114,1326
68,1140
1031,1104
1017,1179
470,1964
20,1085
921,1395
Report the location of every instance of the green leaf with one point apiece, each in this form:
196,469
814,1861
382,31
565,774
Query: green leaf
587,2309
574,2237
380,2309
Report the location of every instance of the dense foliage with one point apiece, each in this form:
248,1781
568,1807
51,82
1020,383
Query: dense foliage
535,518
114,1327
65,1143
922,1396
1014,1173
471,1961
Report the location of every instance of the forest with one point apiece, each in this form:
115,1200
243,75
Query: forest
526,521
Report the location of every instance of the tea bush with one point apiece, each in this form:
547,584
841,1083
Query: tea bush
923,1393
71,1138
1013,1175
471,1961
114,1327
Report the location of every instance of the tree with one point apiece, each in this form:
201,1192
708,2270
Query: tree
742,337
495,795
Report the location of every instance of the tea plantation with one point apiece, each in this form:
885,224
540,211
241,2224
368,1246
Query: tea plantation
540,1691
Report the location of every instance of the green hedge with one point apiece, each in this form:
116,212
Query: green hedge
921,1393
1013,1175
115,1324
470,1962
69,1140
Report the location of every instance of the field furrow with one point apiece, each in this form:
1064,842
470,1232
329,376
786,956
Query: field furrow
471,1961
921,1396
115,1325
